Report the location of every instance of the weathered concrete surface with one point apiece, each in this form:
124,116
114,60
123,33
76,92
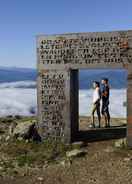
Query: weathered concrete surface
129,107
59,57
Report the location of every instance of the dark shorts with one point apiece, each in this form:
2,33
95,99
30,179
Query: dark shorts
105,107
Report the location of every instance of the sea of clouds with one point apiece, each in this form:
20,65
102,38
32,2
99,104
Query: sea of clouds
18,84
117,98
20,98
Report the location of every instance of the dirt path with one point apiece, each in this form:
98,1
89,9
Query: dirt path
103,164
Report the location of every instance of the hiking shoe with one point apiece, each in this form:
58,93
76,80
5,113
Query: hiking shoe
91,126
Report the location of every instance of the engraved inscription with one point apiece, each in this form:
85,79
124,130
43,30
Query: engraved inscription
52,102
84,50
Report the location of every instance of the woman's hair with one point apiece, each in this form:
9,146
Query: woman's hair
97,83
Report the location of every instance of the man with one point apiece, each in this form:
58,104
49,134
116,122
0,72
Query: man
96,103
105,101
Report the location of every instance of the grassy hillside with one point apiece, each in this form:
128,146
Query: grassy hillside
47,162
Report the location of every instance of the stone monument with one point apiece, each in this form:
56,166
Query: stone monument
59,57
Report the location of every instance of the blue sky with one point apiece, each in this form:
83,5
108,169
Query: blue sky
22,20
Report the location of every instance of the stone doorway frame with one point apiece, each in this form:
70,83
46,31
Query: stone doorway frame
57,56
76,133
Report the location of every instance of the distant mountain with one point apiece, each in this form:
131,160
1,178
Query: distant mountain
18,84
12,74
117,78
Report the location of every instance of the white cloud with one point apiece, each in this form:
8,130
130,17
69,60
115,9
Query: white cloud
17,101
21,101
117,98
18,84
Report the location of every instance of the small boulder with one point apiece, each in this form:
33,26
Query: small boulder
109,149
75,153
63,163
40,178
121,143
78,144
7,138
26,130
127,159
12,127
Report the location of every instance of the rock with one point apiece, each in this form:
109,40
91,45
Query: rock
109,150
66,163
75,153
45,166
7,138
63,163
40,178
78,144
19,138
127,159
121,143
27,141
12,127
27,130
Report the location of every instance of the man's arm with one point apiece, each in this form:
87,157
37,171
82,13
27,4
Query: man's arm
105,92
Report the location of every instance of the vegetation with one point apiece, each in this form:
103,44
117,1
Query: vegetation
19,153
48,161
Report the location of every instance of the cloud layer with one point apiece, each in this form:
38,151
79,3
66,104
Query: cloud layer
117,98
17,98
18,84
17,101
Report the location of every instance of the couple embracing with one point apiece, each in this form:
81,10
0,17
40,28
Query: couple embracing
101,93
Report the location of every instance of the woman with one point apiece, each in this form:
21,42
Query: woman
96,103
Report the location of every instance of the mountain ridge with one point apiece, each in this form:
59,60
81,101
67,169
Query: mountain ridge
117,78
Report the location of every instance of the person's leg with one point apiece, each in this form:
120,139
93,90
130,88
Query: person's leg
103,111
98,114
92,115
108,117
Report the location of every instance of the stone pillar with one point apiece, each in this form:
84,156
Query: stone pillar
74,106
54,104
129,107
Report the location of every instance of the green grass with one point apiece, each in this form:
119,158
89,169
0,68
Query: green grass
31,153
